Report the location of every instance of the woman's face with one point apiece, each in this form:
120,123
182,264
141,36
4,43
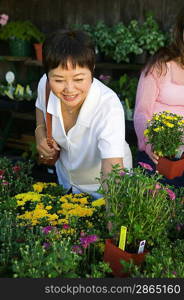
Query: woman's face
70,85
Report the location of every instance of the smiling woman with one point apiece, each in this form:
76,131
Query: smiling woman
87,117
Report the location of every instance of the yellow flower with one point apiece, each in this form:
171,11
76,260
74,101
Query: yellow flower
48,207
30,196
38,187
63,221
68,205
157,129
98,202
170,125
81,211
146,131
52,217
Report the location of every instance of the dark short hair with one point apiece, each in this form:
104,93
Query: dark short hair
61,46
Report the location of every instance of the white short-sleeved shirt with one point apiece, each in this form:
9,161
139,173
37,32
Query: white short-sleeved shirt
98,133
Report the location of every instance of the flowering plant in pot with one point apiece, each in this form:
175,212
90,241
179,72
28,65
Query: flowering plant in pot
165,133
20,34
138,202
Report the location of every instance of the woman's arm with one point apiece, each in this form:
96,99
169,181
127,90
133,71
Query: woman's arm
147,93
40,135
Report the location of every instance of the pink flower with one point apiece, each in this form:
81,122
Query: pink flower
145,166
157,186
66,226
122,173
171,194
47,229
16,169
86,241
155,191
3,19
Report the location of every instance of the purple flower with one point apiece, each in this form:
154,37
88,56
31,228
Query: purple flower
145,166
122,173
171,194
174,273
46,245
77,249
86,241
47,229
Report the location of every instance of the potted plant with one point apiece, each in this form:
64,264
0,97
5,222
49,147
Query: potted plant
104,40
150,38
137,202
165,133
125,43
19,35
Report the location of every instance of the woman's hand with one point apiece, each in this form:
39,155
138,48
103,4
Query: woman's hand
154,157
45,150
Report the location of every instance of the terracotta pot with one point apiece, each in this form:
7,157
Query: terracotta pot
113,255
170,168
38,51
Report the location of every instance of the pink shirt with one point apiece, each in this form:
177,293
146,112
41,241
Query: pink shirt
156,94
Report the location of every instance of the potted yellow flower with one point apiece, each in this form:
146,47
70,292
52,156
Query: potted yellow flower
165,133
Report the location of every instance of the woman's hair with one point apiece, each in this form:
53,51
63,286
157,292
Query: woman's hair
174,51
63,46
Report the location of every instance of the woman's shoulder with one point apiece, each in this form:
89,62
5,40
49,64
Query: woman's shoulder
108,100
42,80
159,70
105,91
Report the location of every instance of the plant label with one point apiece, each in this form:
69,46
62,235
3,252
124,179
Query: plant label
141,246
122,237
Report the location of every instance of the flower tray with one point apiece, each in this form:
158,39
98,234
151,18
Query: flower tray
113,255
170,168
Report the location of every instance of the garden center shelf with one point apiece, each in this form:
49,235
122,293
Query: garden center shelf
101,65
12,131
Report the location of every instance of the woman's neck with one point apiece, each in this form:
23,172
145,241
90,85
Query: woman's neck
70,110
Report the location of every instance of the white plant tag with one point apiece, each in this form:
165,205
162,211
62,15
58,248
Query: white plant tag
180,152
141,246
10,77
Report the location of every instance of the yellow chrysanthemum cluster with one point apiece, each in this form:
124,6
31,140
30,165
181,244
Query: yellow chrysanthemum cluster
52,210
165,132
39,186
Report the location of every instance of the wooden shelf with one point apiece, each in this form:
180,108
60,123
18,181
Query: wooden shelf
13,58
99,65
